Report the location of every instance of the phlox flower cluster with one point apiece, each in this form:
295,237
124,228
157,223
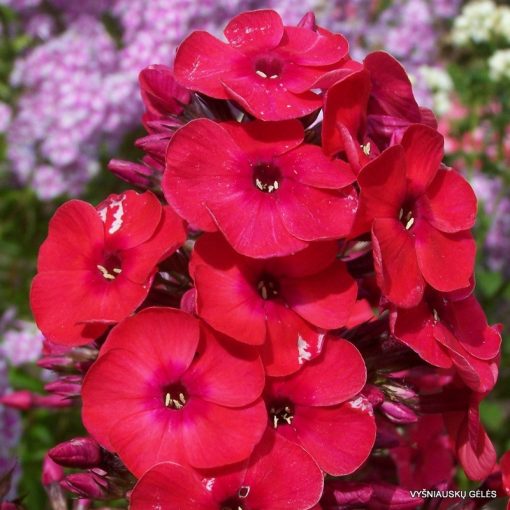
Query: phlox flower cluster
283,314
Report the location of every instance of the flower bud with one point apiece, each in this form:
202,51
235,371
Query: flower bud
133,173
373,394
80,452
398,413
86,485
393,498
21,400
68,386
401,392
55,363
51,471
340,494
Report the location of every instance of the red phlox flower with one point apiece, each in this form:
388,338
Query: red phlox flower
448,332
266,191
319,408
269,69
96,265
419,215
182,402
274,302
279,474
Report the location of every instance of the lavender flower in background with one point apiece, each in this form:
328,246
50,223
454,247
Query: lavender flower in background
22,343
10,433
490,192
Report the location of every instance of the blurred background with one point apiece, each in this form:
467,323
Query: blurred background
69,102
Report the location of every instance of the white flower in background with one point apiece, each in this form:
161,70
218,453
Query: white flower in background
502,28
499,65
440,84
476,23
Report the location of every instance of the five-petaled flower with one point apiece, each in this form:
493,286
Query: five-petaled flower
269,69
182,401
269,193
96,265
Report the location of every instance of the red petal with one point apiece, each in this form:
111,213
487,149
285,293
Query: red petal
202,164
313,259
171,485
75,238
282,476
129,219
227,297
415,327
446,260
324,299
215,436
391,89
161,94
308,165
255,31
423,147
290,342
124,396
139,262
160,441
345,105
383,185
161,336
221,364
339,438
230,304
201,63
397,271
449,204
252,223
335,376
313,214
270,100
309,48
470,328
475,450
63,302
272,138
478,375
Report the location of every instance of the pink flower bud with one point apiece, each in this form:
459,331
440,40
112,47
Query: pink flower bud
373,394
21,400
398,413
80,452
86,485
51,471
393,498
133,173
69,386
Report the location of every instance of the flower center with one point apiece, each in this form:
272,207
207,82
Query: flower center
281,413
111,267
266,177
406,217
235,503
268,67
268,287
175,396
